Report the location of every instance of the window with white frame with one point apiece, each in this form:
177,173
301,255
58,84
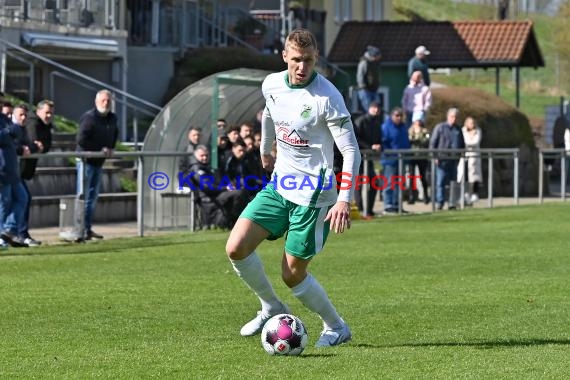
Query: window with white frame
374,10
342,10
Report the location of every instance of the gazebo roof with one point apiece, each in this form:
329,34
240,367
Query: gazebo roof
459,44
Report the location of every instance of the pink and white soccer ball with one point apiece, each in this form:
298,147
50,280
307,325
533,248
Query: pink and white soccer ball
284,334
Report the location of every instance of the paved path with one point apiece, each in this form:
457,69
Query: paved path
50,235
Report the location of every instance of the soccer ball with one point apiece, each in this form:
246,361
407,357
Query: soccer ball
284,334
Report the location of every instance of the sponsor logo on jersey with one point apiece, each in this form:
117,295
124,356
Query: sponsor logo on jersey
291,138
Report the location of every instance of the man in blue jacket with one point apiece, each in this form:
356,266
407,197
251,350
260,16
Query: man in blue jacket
394,136
447,135
13,196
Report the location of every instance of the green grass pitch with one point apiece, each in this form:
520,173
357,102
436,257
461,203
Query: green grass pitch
474,294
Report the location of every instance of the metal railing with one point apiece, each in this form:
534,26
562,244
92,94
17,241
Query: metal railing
134,103
433,155
140,162
76,13
556,154
491,155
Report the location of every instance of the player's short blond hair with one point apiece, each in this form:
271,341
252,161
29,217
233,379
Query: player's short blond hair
302,38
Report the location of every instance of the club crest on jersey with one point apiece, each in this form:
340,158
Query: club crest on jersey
291,137
306,111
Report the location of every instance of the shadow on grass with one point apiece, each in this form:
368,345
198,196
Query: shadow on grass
323,355
116,245
481,345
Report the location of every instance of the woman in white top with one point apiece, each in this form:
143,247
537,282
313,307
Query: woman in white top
472,135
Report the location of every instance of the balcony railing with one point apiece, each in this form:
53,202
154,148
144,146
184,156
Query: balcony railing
74,13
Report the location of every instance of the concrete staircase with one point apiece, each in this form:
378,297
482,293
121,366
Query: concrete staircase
56,178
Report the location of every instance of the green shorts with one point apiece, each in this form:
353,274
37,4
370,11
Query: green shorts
305,226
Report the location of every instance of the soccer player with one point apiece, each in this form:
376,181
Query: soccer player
306,114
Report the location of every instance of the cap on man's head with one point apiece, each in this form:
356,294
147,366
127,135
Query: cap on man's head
422,50
375,104
372,52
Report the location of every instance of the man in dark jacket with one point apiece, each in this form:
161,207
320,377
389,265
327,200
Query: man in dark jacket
447,135
13,197
38,130
98,132
367,129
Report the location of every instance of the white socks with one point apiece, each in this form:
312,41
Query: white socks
314,297
250,270
309,291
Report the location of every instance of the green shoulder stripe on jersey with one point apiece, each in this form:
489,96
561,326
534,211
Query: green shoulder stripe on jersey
343,121
302,85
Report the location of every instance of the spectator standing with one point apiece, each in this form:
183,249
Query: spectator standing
7,109
419,63
367,129
39,128
368,77
416,100
394,136
419,139
471,165
13,197
98,132
447,135
24,147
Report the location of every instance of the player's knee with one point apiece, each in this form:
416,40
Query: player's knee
232,250
235,250
292,277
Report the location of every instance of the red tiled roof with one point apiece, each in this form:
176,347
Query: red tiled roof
452,44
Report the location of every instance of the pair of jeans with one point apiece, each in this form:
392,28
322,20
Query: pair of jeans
89,188
446,174
365,97
371,190
13,202
391,190
23,229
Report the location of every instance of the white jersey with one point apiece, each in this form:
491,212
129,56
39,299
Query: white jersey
306,120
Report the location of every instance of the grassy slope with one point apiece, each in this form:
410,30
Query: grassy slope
476,294
539,87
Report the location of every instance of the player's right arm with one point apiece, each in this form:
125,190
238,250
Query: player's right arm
267,138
